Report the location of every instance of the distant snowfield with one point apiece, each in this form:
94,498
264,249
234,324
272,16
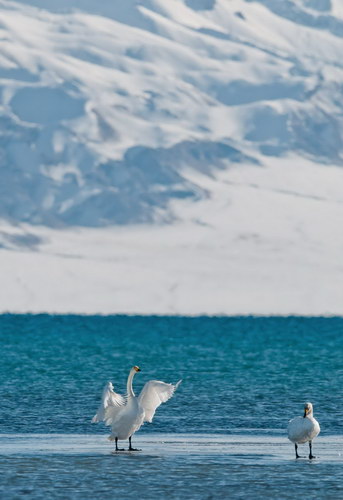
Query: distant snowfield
260,245
171,156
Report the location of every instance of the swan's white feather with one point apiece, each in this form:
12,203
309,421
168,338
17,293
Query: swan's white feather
111,404
126,415
153,394
127,420
301,430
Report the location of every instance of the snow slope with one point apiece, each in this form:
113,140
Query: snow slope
179,156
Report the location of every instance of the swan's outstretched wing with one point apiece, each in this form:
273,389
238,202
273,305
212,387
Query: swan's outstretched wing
110,401
153,394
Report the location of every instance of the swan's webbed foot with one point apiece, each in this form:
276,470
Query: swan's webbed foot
296,452
119,449
130,446
310,455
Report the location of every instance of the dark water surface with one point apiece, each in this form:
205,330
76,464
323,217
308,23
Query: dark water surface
242,377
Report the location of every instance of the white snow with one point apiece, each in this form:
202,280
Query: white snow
264,243
174,157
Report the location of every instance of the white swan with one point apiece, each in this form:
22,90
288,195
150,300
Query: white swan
126,415
303,429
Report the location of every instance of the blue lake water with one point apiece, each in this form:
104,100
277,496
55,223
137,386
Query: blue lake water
223,433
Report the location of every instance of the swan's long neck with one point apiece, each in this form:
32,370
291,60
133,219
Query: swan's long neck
130,392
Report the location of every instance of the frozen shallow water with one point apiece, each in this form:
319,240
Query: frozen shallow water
247,448
173,465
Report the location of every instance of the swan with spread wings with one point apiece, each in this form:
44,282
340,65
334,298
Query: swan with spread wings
127,414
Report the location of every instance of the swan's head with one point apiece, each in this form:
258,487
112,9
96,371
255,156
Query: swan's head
308,409
136,368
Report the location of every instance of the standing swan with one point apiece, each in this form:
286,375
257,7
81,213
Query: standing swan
303,429
127,415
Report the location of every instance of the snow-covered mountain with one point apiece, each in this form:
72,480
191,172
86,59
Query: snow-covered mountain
222,120
104,104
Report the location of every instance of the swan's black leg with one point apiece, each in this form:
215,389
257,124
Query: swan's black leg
118,449
310,455
296,452
130,446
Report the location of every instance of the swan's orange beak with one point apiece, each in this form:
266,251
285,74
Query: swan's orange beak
137,368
